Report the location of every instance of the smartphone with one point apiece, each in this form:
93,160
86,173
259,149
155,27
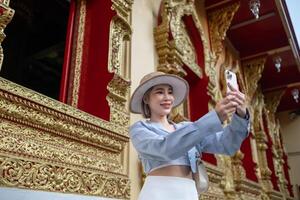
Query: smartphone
230,78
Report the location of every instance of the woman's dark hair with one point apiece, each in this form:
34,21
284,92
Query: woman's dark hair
146,112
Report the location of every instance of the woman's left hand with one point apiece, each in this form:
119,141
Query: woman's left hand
240,99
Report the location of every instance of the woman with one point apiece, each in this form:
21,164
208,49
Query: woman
167,150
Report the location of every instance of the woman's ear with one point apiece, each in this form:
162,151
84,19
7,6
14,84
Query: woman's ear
145,99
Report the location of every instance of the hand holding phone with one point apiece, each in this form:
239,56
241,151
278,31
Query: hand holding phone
231,79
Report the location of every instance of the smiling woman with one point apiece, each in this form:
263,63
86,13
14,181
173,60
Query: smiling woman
170,152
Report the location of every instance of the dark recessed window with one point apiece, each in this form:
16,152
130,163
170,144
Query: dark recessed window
34,45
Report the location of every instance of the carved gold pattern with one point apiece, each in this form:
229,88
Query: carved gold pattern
253,71
219,22
120,31
272,101
174,53
5,17
78,46
51,177
117,98
182,40
53,136
123,8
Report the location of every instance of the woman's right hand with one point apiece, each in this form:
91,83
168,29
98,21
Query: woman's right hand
226,107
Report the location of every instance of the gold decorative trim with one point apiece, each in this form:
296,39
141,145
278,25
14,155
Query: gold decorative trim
246,189
120,31
123,8
253,71
272,101
6,16
55,133
181,38
14,143
174,53
117,99
51,177
219,22
78,51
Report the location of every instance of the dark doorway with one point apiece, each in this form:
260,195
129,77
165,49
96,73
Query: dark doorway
34,45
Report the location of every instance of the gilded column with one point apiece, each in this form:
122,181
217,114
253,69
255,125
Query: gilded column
252,72
272,101
219,22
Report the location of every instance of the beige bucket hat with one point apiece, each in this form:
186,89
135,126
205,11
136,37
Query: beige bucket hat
179,85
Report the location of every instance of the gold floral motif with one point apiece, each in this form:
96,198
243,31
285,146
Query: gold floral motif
14,144
53,140
219,22
181,39
51,177
117,98
173,53
253,71
123,7
27,114
53,132
272,101
77,57
120,31
5,17
50,106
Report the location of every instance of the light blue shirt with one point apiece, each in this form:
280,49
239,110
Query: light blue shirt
157,147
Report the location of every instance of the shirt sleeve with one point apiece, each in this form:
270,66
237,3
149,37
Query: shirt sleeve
227,141
151,145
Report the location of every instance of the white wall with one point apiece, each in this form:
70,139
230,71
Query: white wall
143,61
290,129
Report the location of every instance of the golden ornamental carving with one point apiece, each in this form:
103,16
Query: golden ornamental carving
76,59
123,8
181,38
272,101
117,99
219,22
48,120
245,189
120,32
253,71
178,51
15,144
6,15
51,177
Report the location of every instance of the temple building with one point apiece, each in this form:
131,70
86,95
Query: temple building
68,68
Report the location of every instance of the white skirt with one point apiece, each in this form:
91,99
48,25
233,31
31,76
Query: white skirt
168,188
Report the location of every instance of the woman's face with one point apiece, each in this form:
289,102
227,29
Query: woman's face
161,100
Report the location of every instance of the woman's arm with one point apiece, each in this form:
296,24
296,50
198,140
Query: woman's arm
151,145
227,141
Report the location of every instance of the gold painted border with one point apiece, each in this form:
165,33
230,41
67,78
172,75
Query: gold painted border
78,51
